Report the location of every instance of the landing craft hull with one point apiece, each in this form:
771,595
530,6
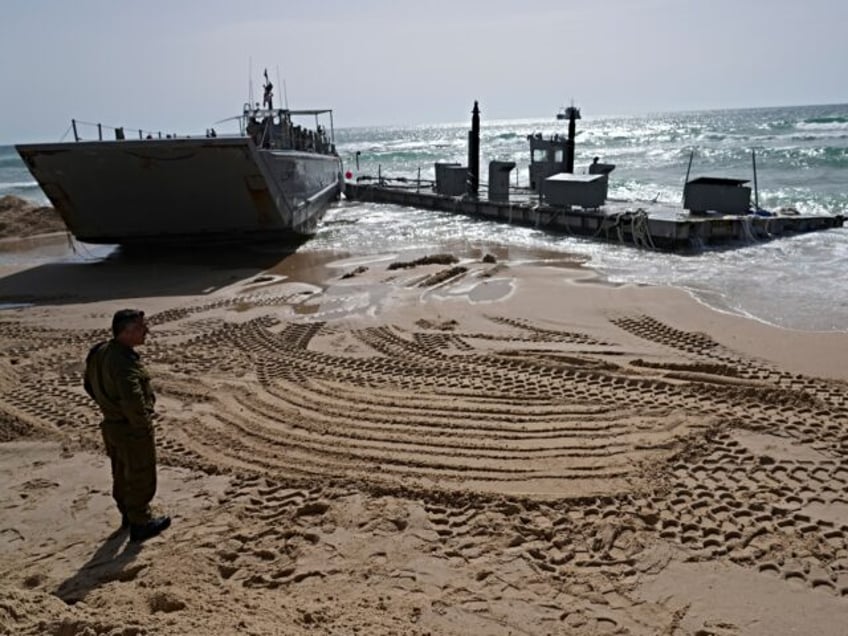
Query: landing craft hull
171,190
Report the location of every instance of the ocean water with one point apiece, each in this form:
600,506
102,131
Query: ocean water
802,162
15,179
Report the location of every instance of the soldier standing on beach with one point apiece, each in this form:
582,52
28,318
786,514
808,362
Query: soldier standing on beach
117,381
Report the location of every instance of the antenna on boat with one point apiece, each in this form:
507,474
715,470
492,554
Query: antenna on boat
688,169
756,191
250,81
283,84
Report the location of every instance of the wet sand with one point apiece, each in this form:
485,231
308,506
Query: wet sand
507,447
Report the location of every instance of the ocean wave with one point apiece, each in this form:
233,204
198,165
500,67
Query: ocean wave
808,157
507,136
777,125
834,119
18,185
828,135
11,162
825,123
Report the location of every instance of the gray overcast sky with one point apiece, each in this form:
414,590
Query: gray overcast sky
179,66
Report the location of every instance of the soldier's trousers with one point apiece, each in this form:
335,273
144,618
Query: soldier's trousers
132,452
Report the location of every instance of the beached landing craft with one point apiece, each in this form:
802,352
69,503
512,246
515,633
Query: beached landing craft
273,181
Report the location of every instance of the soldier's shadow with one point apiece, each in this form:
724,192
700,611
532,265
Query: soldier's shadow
108,563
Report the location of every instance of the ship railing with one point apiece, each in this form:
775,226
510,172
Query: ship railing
273,129
119,133
283,135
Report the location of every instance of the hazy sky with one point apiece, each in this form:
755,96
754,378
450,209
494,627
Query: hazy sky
179,66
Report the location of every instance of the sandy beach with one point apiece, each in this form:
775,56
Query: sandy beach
471,444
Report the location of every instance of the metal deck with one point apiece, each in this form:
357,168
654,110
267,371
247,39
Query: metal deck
643,224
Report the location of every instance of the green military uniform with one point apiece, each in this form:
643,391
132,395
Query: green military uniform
118,382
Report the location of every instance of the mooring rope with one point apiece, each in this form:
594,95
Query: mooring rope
640,229
747,230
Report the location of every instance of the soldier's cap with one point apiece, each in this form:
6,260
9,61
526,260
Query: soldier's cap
124,317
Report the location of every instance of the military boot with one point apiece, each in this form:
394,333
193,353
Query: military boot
144,531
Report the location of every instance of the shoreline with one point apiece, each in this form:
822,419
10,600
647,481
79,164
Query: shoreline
313,267
720,290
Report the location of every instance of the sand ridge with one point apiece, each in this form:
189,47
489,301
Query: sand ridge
407,452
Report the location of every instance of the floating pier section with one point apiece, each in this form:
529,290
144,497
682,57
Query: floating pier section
715,211
616,221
